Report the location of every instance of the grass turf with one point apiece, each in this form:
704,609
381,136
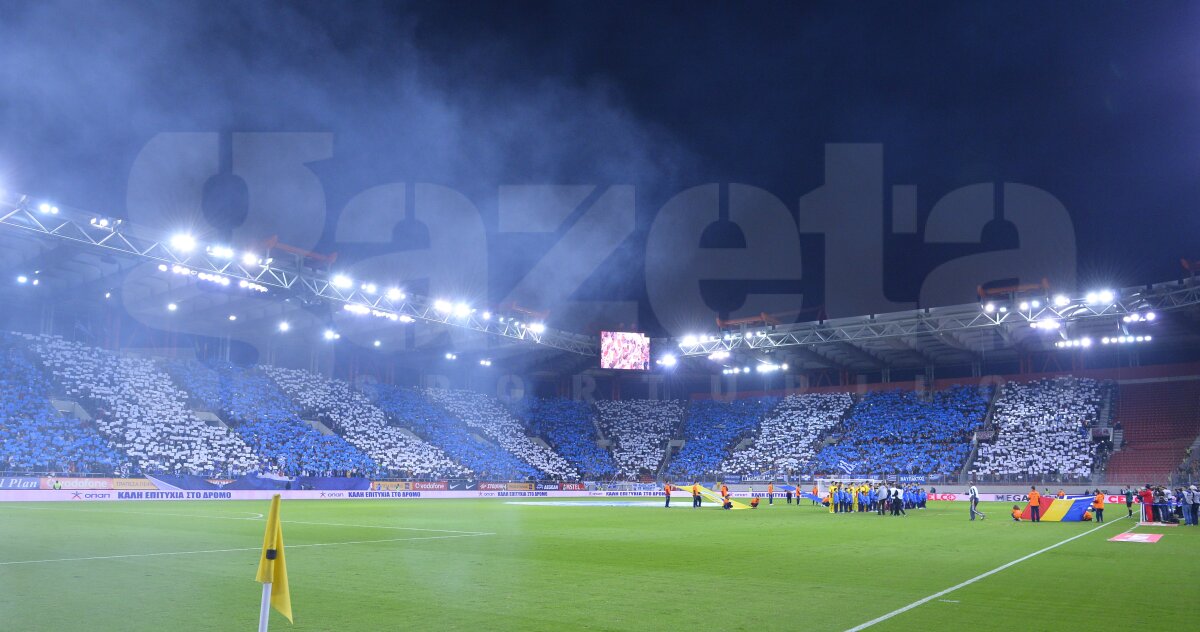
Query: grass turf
545,567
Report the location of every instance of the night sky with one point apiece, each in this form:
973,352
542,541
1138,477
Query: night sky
1097,104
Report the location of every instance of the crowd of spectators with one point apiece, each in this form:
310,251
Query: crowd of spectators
907,432
1043,430
364,425
712,430
409,408
487,414
142,413
639,430
269,421
788,435
33,436
568,426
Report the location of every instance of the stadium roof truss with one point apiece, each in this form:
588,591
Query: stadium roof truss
121,239
72,245
962,333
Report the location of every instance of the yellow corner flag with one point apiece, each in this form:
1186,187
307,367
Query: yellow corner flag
272,571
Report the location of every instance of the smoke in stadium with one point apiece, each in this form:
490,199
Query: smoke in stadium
620,316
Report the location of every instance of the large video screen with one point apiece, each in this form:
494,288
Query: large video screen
624,350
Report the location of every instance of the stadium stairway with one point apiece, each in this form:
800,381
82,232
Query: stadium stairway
1160,419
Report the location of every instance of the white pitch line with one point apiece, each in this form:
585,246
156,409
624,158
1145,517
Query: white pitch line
255,548
975,579
257,516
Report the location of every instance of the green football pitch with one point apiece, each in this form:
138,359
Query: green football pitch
494,565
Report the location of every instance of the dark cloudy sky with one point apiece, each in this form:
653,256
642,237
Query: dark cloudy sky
1097,104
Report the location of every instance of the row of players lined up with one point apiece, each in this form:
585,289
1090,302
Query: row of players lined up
879,498
841,497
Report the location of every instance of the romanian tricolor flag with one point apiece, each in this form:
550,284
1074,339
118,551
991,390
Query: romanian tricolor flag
272,570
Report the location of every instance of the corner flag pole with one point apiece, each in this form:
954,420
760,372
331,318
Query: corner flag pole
272,571
264,611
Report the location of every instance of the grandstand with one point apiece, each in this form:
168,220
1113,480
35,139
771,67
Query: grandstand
411,409
906,432
639,430
1044,431
1159,420
139,411
33,435
788,436
490,416
570,427
711,432
269,422
363,425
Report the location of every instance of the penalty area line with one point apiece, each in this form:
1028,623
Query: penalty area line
951,589
253,548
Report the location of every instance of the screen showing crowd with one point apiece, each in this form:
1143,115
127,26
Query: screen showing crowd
624,350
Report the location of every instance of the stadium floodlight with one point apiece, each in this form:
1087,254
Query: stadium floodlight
687,341
1150,316
485,362
442,306
1104,340
377,344
989,308
1037,304
108,295
233,317
720,354
1024,306
1086,342
172,307
462,310
183,242
369,288
1105,297
285,326
394,294
250,259
22,279
220,252
330,334
1061,300
783,366
342,281
668,360
537,328
405,318
451,356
